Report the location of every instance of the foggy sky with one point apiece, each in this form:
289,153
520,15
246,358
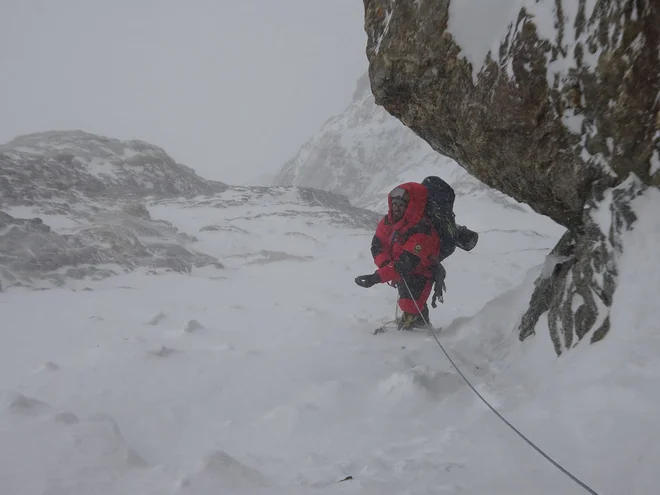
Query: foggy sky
232,88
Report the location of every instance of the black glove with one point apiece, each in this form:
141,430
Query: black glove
440,287
439,273
368,280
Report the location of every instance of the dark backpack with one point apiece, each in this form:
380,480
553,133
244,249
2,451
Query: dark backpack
440,211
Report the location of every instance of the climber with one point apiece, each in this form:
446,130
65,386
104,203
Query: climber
406,249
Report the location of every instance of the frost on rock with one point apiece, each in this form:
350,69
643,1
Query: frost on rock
655,162
578,294
538,100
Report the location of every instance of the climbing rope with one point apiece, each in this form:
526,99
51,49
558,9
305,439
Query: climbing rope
529,442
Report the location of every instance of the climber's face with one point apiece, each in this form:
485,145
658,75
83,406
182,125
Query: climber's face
400,199
398,210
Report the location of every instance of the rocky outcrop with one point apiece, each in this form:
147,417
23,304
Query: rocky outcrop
559,109
114,242
578,287
73,206
71,165
569,97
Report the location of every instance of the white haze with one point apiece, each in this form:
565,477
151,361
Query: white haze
229,88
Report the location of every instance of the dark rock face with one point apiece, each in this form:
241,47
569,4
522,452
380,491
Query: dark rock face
548,115
564,116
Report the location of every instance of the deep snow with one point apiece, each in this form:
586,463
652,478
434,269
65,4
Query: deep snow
280,387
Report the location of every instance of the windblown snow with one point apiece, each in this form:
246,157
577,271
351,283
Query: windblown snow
264,376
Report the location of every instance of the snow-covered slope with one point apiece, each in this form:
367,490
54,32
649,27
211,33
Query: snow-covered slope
364,152
592,409
76,206
262,377
72,206
265,378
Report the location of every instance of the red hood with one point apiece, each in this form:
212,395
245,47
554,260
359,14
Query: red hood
415,211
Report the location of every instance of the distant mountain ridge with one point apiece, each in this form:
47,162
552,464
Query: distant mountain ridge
74,205
364,151
67,164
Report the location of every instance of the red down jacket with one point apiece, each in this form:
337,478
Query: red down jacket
410,246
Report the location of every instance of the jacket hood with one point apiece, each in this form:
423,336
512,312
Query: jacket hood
415,210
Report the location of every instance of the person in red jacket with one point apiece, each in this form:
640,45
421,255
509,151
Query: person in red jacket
406,249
